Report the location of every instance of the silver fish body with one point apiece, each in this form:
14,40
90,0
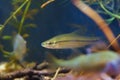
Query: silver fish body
69,40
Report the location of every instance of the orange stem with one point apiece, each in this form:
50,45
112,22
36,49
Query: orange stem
98,20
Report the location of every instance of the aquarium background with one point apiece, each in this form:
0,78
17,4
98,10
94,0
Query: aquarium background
56,18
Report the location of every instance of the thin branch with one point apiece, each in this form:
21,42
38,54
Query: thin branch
57,71
31,73
46,3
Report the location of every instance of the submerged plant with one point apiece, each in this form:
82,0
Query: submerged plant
107,7
19,15
13,15
99,21
17,20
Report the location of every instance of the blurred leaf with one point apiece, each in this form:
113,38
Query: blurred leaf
14,23
30,25
17,1
31,13
25,35
7,54
1,27
110,20
15,18
4,52
6,37
101,11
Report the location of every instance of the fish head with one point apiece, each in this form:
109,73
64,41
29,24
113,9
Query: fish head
55,42
50,44
62,44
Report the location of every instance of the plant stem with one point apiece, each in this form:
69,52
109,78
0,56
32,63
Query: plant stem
23,17
14,13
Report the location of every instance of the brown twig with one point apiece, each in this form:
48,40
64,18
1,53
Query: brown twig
17,74
30,73
98,20
46,3
57,71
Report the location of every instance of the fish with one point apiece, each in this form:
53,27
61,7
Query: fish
86,63
68,41
19,48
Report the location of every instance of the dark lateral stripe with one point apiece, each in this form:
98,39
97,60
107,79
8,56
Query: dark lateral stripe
77,41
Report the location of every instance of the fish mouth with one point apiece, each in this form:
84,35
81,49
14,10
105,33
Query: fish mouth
50,46
43,45
46,46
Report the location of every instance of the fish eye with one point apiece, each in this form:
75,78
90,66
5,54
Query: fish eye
49,43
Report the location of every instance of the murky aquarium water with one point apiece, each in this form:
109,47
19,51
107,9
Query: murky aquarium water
59,39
